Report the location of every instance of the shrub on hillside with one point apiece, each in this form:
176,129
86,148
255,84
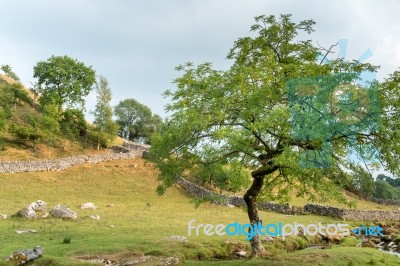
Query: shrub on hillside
73,124
27,133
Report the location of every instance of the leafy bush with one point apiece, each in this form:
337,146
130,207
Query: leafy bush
27,133
73,124
362,181
98,138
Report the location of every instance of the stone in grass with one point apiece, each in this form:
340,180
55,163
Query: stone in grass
22,231
88,206
268,239
170,261
178,238
63,212
20,257
3,216
240,253
95,217
29,212
366,243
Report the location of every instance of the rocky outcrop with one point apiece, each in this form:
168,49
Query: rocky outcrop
63,212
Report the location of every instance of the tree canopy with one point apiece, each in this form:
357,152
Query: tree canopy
106,127
246,120
62,80
136,121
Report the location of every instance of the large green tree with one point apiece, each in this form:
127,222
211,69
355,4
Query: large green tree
136,121
63,80
244,121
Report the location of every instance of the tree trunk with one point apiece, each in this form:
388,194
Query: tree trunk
252,210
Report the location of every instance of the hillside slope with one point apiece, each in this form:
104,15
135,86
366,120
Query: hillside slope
26,132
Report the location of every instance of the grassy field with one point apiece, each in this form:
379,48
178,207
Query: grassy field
140,221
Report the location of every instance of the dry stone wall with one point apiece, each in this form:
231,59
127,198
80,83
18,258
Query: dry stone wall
343,214
65,163
384,201
354,215
201,192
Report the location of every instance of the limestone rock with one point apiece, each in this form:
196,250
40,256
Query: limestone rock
88,206
268,239
95,217
63,212
381,245
22,231
240,253
170,261
334,238
21,257
29,212
178,238
366,244
3,216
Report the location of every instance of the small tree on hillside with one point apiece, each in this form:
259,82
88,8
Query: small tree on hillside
106,127
7,70
282,113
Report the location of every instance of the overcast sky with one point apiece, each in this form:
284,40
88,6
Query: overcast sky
137,44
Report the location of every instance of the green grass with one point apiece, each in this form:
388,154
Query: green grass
139,221
337,256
